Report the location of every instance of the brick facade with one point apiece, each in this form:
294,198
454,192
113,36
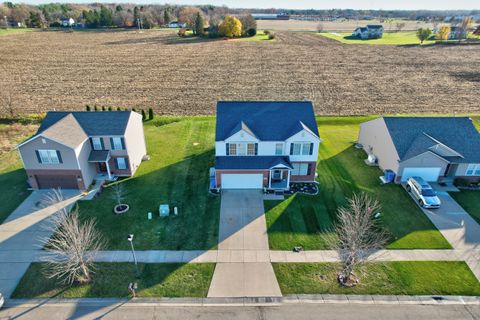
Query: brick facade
306,178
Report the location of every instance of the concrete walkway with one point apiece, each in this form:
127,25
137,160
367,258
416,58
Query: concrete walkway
21,234
459,228
243,232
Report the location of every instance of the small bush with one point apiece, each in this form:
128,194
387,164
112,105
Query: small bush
95,108
267,32
271,36
182,32
144,116
150,113
118,109
109,108
103,108
87,107
251,32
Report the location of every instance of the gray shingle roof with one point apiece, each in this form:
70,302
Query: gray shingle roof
458,133
267,120
105,123
99,155
66,131
250,162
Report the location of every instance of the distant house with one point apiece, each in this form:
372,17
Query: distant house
271,16
67,22
176,24
455,32
70,149
371,31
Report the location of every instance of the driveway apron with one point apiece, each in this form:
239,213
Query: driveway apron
243,268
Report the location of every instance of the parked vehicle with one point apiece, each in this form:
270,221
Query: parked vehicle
2,300
423,193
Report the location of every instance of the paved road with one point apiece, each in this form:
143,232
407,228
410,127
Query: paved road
243,233
21,234
287,312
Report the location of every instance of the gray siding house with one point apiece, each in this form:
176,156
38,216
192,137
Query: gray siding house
434,148
71,148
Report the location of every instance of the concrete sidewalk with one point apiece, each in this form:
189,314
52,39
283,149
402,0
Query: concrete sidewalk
21,236
243,229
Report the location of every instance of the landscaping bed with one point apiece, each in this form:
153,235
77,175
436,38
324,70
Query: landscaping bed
112,280
302,220
389,278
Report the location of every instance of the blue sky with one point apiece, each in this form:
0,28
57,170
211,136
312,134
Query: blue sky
307,4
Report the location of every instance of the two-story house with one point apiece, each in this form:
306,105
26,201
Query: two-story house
71,148
265,144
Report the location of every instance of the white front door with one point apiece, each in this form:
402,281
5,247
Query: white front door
428,174
242,181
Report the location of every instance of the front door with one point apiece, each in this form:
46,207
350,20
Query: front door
102,167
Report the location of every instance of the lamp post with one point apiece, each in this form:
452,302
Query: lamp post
130,238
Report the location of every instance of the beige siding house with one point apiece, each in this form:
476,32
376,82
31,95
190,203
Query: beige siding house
434,148
70,149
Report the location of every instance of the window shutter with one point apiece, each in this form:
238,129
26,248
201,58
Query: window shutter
291,148
311,148
116,162
59,157
123,143
256,148
102,143
309,170
91,143
111,145
228,149
38,156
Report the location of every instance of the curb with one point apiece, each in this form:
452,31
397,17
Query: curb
254,301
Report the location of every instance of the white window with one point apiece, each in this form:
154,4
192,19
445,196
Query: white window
279,149
251,149
301,148
48,156
300,169
97,144
121,163
297,149
473,170
117,143
232,149
306,148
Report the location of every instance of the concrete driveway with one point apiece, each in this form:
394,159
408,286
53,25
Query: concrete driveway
21,236
243,268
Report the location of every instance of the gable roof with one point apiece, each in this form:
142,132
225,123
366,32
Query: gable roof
415,135
102,123
266,120
66,131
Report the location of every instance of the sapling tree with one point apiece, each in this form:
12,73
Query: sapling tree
118,193
74,245
358,234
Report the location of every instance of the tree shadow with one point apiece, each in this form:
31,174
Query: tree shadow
470,76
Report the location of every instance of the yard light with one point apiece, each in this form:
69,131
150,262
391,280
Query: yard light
130,239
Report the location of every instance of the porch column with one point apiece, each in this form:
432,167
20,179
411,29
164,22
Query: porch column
288,179
108,170
270,179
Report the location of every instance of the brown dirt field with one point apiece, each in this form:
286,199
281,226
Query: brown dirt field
340,26
57,70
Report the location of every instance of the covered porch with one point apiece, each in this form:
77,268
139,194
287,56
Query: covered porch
101,158
279,178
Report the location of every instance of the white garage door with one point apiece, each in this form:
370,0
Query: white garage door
428,174
242,181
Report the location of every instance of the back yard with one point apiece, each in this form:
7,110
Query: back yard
301,220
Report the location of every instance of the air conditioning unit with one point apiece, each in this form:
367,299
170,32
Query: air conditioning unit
372,159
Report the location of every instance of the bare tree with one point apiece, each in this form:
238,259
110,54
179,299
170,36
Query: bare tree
320,27
399,26
7,102
358,235
464,27
73,246
118,193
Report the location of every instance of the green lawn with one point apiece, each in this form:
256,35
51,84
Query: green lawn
4,32
181,153
395,38
470,201
112,279
301,220
391,278
260,36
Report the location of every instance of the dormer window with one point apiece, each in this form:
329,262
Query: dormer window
97,143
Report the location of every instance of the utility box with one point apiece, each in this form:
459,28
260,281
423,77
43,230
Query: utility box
164,210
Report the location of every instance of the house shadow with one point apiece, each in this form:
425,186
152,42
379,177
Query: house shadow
13,190
304,220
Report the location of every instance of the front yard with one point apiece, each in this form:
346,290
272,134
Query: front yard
390,278
470,201
301,220
177,174
112,280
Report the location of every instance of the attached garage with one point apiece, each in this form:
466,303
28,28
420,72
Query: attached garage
428,174
242,181
57,181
